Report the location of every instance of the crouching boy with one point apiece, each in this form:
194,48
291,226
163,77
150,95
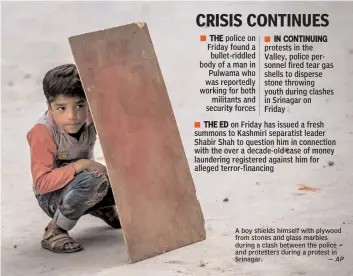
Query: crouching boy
67,182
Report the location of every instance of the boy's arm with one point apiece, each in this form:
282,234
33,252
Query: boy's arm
43,151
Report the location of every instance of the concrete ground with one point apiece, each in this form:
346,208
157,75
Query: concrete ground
34,40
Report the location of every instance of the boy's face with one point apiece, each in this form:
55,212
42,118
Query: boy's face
69,113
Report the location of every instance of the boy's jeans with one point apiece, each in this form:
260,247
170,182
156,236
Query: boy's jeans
89,191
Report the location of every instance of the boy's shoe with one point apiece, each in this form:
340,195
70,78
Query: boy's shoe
57,239
109,215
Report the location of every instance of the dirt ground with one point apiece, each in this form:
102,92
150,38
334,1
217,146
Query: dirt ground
34,39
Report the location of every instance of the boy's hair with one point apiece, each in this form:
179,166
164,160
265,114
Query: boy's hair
62,80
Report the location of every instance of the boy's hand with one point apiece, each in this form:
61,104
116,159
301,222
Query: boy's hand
94,166
89,165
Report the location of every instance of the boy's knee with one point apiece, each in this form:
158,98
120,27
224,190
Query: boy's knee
84,176
93,181
89,189
103,187
101,183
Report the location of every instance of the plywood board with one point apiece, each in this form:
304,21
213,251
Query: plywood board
142,147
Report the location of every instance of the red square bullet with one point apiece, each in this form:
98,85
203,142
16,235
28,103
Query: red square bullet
202,38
